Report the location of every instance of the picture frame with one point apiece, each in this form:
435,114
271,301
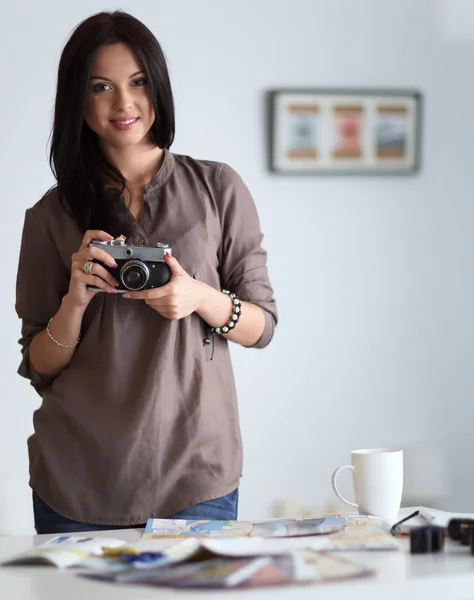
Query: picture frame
344,131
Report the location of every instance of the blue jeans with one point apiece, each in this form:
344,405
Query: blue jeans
49,521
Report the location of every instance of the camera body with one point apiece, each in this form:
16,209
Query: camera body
139,267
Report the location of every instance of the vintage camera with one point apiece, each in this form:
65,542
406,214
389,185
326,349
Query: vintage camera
139,267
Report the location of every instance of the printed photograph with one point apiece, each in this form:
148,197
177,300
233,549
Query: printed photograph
302,131
391,131
348,131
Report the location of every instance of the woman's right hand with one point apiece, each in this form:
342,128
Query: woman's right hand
79,294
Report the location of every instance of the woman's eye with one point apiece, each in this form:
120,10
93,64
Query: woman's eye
100,87
140,82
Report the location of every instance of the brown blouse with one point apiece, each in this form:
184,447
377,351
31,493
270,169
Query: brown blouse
141,423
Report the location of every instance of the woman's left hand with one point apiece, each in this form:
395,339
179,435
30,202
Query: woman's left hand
177,299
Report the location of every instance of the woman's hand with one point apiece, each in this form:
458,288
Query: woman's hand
79,295
177,299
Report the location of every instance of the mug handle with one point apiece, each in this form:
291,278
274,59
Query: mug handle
334,485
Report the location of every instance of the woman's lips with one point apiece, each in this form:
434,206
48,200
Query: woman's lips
125,124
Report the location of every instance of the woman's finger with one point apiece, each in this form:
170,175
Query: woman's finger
97,281
96,270
91,253
94,234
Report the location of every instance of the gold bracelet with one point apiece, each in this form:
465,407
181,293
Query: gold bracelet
48,331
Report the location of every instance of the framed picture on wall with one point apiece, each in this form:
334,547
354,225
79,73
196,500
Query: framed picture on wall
344,131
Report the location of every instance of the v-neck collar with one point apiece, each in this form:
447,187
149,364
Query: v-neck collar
163,174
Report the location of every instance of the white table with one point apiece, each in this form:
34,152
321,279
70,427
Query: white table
448,575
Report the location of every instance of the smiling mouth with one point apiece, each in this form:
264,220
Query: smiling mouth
124,124
125,121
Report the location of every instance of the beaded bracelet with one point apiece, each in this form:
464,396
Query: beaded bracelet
48,331
237,310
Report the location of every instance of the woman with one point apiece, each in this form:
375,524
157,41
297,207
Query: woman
139,416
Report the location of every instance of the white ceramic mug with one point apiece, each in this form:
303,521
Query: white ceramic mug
378,481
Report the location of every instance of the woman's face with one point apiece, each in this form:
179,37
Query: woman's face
119,107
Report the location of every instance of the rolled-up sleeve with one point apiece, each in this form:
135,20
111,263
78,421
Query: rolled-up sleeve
42,281
242,260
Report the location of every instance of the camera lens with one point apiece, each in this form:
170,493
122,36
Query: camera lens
134,275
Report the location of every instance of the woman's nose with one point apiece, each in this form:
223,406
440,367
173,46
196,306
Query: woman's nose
123,100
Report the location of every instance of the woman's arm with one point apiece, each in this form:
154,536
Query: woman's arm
242,263
49,358
241,268
215,308
44,283
183,295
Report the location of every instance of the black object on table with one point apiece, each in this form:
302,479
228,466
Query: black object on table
426,539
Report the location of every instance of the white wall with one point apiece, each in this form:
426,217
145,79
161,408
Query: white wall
373,276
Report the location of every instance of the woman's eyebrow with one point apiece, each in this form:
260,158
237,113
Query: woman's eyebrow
107,79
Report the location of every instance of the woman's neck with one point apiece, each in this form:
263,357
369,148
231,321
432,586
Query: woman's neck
138,164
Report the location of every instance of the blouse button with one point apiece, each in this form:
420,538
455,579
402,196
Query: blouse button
141,242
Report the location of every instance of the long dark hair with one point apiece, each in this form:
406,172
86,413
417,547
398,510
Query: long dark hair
76,159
